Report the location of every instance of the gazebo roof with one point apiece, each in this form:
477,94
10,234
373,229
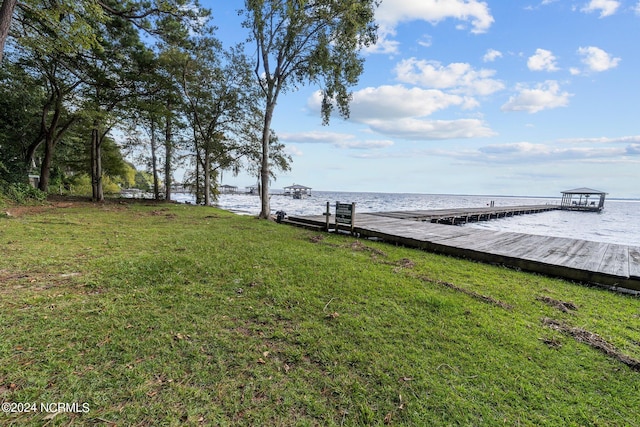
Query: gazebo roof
583,190
298,187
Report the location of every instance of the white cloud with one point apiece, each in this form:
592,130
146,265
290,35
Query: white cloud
425,41
294,151
530,153
603,140
526,152
597,59
365,145
398,111
391,13
596,150
605,7
543,60
340,140
457,77
425,130
543,96
477,13
313,137
491,55
385,43
636,8
392,102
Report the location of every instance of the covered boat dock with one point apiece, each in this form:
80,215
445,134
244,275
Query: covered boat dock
297,191
580,199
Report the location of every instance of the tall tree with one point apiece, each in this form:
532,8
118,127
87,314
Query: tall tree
21,95
56,116
307,41
221,95
53,33
90,45
110,74
6,12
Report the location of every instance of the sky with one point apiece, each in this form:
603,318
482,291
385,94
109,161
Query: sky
517,97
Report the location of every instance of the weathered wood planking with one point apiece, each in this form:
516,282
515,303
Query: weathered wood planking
616,261
582,260
634,262
467,214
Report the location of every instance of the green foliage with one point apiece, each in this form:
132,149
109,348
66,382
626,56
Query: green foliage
143,181
22,193
63,26
186,315
21,96
80,185
300,42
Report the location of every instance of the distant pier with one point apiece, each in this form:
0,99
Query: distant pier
606,264
464,215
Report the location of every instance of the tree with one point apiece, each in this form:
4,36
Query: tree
307,41
278,158
56,116
51,33
221,95
88,51
110,74
6,12
21,95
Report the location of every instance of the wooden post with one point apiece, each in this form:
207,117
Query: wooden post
327,214
353,216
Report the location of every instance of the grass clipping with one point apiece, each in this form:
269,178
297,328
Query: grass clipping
594,340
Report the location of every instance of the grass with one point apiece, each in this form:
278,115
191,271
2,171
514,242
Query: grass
178,315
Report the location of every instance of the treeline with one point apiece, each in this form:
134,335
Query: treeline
86,83
83,84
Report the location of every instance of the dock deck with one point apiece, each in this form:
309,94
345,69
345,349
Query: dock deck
464,215
581,260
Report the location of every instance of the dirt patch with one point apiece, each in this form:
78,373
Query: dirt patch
18,211
316,239
12,281
358,246
551,342
475,295
594,340
62,202
404,263
564,306
163,212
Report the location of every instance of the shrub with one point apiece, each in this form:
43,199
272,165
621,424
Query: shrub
23,193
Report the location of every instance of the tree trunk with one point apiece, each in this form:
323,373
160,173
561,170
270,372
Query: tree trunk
265,211
197,178
207,178
96,164
154,161
45,167
6,13
167,159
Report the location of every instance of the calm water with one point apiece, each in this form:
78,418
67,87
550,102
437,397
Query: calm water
618,223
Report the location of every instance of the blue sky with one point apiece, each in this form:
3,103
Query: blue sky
518,97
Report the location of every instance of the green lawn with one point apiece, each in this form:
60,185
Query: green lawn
152,315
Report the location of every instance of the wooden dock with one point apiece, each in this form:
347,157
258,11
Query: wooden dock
464,215
581,260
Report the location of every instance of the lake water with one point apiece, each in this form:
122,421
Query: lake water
618,223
